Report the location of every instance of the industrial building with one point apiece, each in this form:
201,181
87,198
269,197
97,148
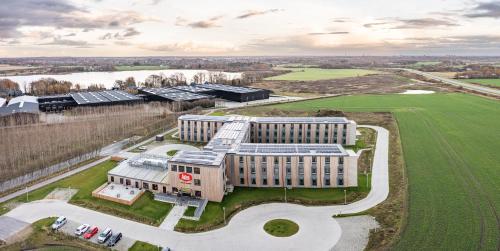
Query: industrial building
255,152
172,95
20,104
236,93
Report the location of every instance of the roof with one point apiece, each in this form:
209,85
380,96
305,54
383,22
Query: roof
208,158
229,136
152,168
21,104
175,94
2,102
25,99
204,118
83,98
291,149
230,88
192,88
307,120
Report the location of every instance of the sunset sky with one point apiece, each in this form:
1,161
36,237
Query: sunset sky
257,27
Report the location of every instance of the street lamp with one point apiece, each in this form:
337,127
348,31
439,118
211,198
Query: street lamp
224,210
285,194
27,194
345,197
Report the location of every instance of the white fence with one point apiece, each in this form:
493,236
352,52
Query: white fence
27,178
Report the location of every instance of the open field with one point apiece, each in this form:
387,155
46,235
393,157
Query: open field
43,238
139,67
242,197
424,63
145,209
490,82
309,74
451,153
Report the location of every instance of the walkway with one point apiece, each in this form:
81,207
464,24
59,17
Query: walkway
173,217
318,229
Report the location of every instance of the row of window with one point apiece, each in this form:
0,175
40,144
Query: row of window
314,182
186,169
288,160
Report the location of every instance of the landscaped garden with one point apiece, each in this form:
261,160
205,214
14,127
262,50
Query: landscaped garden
281,227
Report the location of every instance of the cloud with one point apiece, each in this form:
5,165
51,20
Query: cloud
485,9
252,13
417,23
341,20
129,32
328,33
70,34
67,42
190,47
58,14
202,24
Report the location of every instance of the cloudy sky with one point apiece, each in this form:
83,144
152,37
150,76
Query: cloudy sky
257,27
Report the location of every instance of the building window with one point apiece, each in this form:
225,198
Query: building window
254,181
242,181
155,187
127,182
241,169
175,190
196,170
112,179
341,160
174,168
314,159
288,182
301,181
197,182
145,185
340,181
288,159
121,180
327,182
264,182
189,169
314,182
252,170
197,193
301,159
313,170
276,161
276,182
264,169
181,169
241,159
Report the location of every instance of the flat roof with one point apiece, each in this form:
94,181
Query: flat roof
21,104
209,158
2,101
291,149
152,168
192,88
83,98
204,118
175,94
298,120
229,136
229,88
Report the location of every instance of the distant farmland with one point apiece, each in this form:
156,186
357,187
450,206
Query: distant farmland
490,81
310,74
450,144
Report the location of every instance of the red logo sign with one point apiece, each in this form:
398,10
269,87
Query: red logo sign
186,177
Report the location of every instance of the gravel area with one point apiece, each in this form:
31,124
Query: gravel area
355,232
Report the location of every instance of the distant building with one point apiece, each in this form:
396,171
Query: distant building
22,109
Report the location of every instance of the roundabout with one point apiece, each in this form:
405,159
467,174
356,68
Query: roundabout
281,228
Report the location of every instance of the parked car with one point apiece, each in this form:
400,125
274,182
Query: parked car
82,229
59,223
114,239
104,235
143,148
91,232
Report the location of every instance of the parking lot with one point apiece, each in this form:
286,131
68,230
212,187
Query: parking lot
69,228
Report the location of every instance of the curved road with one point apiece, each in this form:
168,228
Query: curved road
478,88
318,229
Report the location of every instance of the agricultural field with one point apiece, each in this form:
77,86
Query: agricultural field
311,74
451,154
425,63
490,82
139,67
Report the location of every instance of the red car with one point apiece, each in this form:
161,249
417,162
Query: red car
91,232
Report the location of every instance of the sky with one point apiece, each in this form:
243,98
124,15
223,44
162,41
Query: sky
30,28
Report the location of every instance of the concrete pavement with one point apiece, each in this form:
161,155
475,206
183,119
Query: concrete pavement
318,229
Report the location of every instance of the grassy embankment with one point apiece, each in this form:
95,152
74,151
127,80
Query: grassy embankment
450,144
145,209
310,74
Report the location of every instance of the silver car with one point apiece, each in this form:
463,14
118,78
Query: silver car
104,235
82,229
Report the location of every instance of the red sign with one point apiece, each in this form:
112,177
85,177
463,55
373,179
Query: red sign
186,177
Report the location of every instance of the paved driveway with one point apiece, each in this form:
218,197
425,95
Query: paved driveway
318,229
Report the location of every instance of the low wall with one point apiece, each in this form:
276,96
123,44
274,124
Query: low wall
27,178
96,194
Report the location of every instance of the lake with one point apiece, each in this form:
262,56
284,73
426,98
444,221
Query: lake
109,78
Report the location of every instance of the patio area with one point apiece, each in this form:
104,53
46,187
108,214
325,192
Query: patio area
118,193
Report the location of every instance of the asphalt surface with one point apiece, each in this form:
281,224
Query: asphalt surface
478,88
318,229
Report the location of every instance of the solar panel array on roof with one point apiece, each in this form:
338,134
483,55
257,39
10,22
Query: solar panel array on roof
228,88
88,98
174,94
271,120
291,149
192,88
199,157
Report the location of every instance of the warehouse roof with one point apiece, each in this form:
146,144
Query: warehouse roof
21,104
2,102
291,149
199,157
229,88
83,98
152,168
192,88
174,94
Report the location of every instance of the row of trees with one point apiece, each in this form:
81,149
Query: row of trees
27,148
478,71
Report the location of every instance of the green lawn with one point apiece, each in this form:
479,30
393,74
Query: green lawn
450,144
143,246
242,198
488,81
310,74
145,209
172,153
281,227
139,67
190,211
217,113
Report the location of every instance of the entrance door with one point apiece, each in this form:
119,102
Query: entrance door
136,184
164,189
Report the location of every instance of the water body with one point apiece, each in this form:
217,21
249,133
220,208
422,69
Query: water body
418,92
108,78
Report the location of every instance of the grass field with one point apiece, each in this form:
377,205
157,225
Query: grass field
281,227
242,198
310,74
143,246
491,81
450,144
139,67
145,209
